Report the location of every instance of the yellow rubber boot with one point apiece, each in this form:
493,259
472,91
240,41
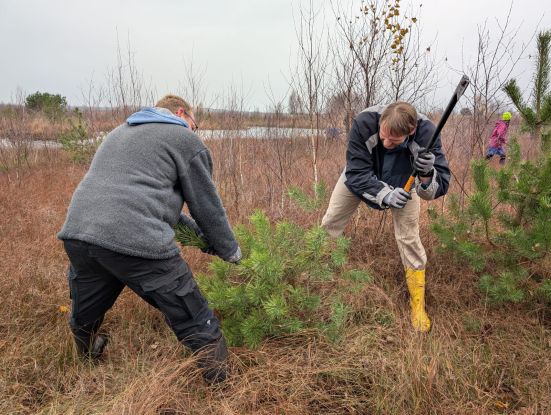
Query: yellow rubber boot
416,285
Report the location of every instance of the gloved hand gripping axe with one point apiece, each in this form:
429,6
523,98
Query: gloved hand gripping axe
451,105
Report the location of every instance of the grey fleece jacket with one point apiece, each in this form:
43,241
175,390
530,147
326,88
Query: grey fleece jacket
132,196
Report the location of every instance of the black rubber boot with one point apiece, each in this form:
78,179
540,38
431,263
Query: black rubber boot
96,351
89,344
93,348
213,360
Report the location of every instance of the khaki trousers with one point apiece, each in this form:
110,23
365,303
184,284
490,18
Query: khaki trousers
343,204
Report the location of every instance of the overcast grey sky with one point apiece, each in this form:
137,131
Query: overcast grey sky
58,46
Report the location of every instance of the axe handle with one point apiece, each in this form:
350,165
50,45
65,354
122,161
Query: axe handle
461,87
410,182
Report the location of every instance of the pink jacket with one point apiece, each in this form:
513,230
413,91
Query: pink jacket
499,135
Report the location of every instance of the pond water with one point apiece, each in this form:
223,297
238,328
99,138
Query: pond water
258,132
251,132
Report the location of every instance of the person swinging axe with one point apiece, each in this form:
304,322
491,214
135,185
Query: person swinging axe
385,144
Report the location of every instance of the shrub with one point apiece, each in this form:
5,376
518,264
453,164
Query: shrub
54,106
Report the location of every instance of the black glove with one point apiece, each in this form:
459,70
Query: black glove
190,223
424,162
208,250
397,198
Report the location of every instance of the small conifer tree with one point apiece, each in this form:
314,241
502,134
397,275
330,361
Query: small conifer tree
504,234
76,140
278,286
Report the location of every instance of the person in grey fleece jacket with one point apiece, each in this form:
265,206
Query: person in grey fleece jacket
119,230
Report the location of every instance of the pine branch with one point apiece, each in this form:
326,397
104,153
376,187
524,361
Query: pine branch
188,237
541,81
309,204
513,92
276,307
505,287
480,175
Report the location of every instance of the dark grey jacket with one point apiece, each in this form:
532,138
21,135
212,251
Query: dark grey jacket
372,171
132,196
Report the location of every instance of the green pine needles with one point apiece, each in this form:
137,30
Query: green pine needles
504,231
306,202
188,237
536,116
281,285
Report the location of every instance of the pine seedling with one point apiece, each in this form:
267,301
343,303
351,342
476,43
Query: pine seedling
277,287
77,142
262,228
357,275
315,240
339,316
231,327
220,268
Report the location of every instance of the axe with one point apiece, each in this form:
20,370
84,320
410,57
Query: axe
463,83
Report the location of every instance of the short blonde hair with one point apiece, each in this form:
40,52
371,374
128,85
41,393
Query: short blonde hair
172,103
400,118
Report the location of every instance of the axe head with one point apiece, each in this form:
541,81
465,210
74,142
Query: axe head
462,86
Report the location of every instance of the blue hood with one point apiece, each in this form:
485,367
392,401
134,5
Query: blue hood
150,114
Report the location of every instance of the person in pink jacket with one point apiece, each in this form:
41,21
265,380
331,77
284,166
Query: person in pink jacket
498,140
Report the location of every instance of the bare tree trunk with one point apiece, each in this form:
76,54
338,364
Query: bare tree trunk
310,76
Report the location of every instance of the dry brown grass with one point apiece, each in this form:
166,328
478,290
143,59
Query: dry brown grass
477,360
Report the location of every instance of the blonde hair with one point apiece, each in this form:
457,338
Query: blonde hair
172,103
400,118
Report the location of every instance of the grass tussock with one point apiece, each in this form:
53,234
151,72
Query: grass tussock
477,360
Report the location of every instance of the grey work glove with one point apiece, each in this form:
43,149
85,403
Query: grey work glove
397,198
424,162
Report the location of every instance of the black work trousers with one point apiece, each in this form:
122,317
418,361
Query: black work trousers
98,275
